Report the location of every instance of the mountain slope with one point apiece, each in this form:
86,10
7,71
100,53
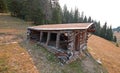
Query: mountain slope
19,56
106,51
117,29
13,57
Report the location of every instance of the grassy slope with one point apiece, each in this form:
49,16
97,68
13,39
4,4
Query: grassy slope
106,51
16,53
46,62
13,57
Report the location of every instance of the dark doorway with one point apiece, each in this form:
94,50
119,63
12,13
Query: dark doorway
63,41
52,41
44,37
35,35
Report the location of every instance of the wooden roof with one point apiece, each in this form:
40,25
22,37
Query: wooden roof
70,26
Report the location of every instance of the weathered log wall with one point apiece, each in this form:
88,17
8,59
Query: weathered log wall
76,43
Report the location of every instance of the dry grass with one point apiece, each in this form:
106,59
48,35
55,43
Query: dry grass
13,57
107,52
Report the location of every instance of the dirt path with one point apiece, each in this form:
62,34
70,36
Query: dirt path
107,52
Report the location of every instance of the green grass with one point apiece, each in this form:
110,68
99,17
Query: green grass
49,56
76,66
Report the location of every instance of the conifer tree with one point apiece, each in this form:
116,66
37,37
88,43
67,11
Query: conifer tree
3,6
76,16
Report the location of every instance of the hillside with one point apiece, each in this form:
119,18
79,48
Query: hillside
13,57
117,29
20,56
105,51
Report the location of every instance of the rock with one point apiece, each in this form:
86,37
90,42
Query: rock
22,53
99,62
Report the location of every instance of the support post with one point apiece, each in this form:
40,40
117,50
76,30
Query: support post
57,40
74,40
48,38
86,37
28,34
41,33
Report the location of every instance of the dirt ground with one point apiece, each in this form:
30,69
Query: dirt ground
106,52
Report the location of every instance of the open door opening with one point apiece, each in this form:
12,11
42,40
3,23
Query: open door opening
44,37
64,41
52,41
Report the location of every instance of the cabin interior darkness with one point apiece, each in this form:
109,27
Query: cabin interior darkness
35,35
44,37
52,41
63,41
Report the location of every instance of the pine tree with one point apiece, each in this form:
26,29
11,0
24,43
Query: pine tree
3,6
85,20
76,16
111,34
65,15
57,14
81,17
89,19
97,28
103,30
15,7
71,16
114,39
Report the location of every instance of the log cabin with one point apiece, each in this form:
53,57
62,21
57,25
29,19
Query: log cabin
66,41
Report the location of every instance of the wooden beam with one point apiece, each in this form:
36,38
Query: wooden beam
57,40
41,34
85,36
53,31
74,40
48,38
